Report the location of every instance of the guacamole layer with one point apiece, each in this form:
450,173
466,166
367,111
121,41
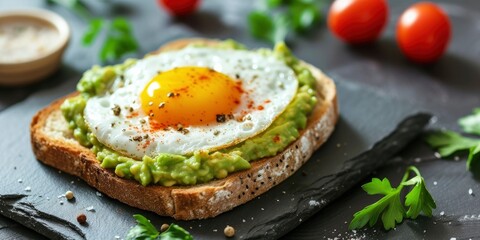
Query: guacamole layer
201,166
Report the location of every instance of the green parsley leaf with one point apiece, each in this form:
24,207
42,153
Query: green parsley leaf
121,26
471,123
304,16
277,17
449,142
263,26
394,213
389,206
94,28
119,41
473,161
143,230
275,3
377,186
418,199
175,232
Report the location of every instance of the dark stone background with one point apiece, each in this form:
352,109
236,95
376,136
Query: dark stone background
448,88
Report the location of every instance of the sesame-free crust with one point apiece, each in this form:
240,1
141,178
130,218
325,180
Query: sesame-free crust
53,144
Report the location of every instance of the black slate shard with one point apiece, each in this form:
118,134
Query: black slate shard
45,223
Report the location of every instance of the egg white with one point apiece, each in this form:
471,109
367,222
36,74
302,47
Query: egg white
266,78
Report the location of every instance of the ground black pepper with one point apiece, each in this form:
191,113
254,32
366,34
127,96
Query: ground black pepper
116,110
137,138
221,118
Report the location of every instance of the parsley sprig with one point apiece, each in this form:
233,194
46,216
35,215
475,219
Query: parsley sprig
449,142
471,123
390,208
277,18
473,161
119,38
144,230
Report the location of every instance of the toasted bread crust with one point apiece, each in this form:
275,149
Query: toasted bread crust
185,202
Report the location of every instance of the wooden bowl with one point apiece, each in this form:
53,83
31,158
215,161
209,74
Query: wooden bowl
39,66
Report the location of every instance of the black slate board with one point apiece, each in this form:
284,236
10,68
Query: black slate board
449,89
350,154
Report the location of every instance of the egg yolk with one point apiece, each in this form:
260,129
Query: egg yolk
190,96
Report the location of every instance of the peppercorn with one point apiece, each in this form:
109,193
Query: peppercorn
82,219
164,227
69,195
229,231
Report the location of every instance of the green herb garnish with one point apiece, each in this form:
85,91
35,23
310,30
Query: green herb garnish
471,123
119,38
390,208
449,142
268,28
93,30
278,17
304,15
144,230
473,161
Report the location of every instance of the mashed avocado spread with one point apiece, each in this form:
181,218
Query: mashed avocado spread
202,166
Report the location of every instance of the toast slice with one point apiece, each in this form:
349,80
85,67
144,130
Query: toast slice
54,145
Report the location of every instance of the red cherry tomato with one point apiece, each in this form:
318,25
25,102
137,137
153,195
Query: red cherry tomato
423,32
179,7
357,21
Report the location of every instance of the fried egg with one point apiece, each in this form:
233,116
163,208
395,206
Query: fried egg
192,99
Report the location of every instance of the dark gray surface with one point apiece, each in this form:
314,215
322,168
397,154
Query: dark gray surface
448,88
